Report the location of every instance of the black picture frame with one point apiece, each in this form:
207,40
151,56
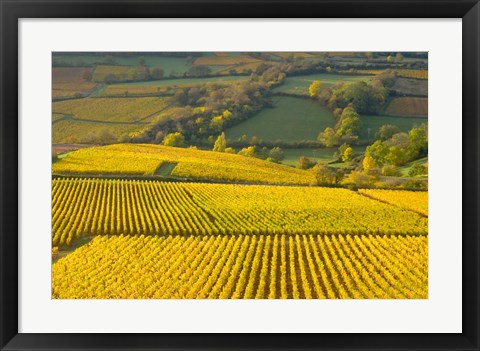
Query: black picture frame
12,11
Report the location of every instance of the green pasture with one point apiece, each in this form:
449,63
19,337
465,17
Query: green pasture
371,124
406,168
290,119
298,85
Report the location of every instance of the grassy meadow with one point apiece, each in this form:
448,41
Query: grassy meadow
298,85
290,119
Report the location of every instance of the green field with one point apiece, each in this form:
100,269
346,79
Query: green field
183,81
291,119
406,168
298,85
371,124
318,155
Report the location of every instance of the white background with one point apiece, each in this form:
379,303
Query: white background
440,313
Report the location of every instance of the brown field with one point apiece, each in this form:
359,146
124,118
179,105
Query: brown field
70,82
64,148
69,74
406,86
408,106
63,90
412,73
223,60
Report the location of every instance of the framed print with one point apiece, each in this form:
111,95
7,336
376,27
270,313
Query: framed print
239,175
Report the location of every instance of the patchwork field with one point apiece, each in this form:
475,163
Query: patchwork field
170,65
240,266
290,119
112,109
70,82
78,131
298,85
138,159
110,207
154,85
408,106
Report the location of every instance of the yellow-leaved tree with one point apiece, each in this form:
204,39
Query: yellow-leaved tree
315,88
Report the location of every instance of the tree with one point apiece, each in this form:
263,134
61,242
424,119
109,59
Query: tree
141,61
250,151
378,151
347,154
216,123
159,137
418,138
389,58
304,162
387,131
368,163
109,60
349,122
221,143
399,57
327,175
417,169
157,73
87,76
315,88
328,137
395,156
229,150
105,136
174,139
276,154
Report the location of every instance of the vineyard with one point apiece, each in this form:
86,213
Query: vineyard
129,89
415,201
408,106
112,109
245,266
138,159
89,207
71,82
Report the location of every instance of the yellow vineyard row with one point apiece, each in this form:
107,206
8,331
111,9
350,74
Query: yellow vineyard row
86,207
245,267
